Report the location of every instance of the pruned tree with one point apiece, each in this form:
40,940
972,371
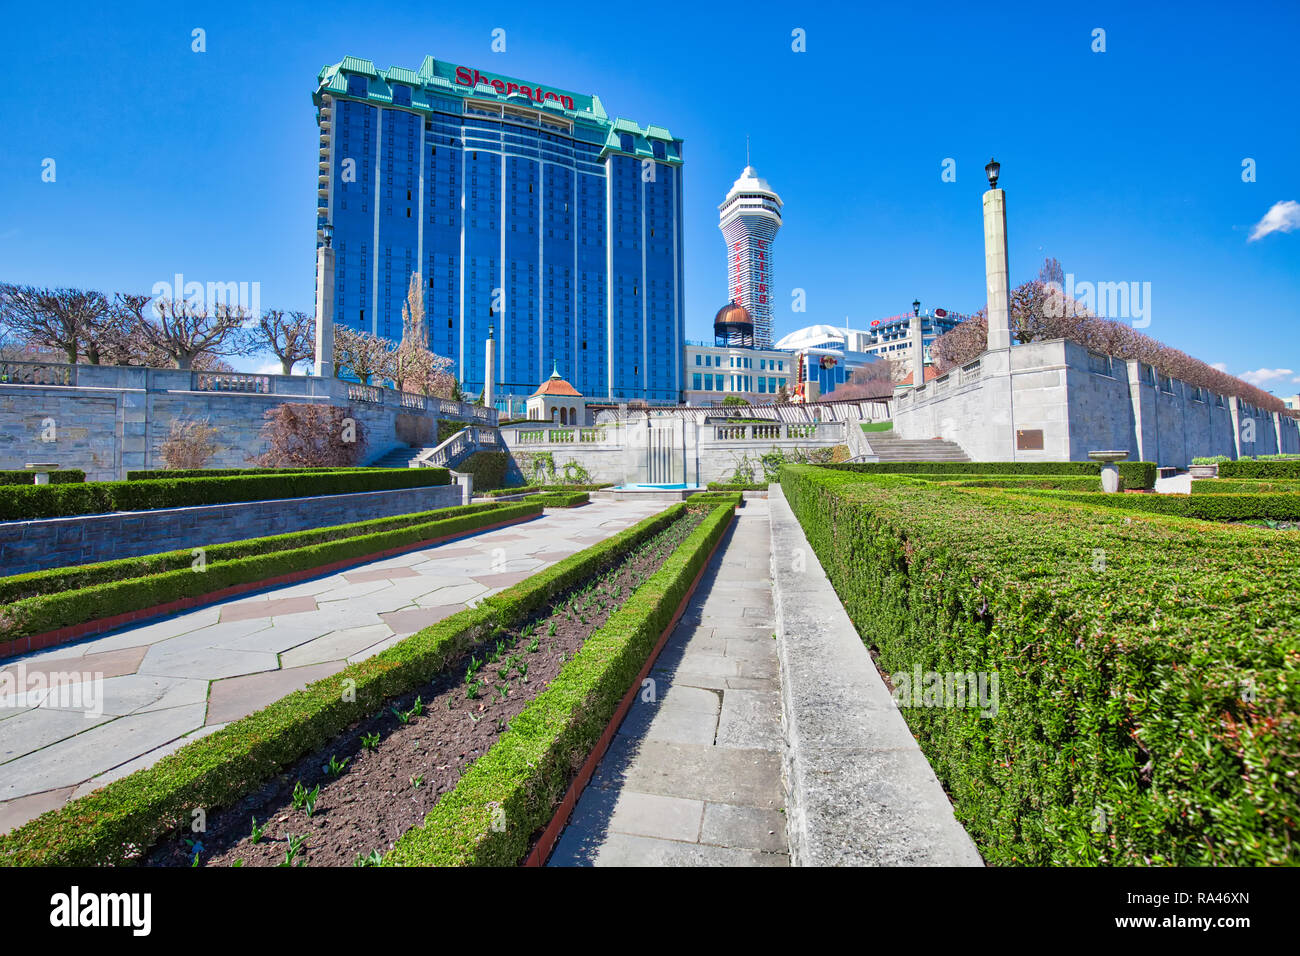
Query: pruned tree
289,336
364,355
183,330
66,320
415,367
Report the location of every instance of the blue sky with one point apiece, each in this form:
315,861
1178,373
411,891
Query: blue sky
1125,165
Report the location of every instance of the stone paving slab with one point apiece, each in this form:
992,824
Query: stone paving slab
169,680
693,777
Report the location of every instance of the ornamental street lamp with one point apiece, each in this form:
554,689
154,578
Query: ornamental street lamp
916,306
991,171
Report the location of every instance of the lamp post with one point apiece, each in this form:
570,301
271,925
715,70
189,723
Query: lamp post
996,271
325,304
918,350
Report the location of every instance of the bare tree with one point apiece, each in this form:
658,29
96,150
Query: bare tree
183,330
290,336
363,354
61,319
415,367
873,380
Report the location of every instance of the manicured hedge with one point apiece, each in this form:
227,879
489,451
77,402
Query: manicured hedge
21,476
152,474
530,489
217,770
487,467
1147,702
107,598
1046,482
711,499
1229,486
526,772
1244,507
737,486
102,497
1134,474
560,499
53,580
1277,468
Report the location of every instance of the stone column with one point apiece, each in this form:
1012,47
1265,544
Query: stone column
996,269
490,374
918,354
325,312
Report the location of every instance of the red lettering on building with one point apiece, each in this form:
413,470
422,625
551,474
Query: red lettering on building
472,78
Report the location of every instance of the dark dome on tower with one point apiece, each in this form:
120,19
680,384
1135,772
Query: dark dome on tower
733,325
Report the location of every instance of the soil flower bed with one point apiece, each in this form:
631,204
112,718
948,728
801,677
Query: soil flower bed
348,802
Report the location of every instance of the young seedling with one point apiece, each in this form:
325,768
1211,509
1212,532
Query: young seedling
374,859
335,766
370,741
502,692
504,672
550,632
296,843
417,781
471,691
239,862
522,668
256,835
304,799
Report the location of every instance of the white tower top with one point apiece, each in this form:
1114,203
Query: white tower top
749,219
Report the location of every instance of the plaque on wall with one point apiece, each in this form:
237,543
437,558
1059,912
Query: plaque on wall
1029,439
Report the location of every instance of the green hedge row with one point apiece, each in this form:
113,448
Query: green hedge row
1229,486
1283,468
150,474
1134,474
53,580
488,469
21,476
711,499
530,489
136,811
1243,507
526,772
560,499
102,497
50,611
737,486
1045,482
1147,701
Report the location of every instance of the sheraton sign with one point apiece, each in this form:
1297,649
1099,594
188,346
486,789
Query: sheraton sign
467,77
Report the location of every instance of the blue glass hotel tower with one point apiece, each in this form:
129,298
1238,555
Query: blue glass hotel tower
526,210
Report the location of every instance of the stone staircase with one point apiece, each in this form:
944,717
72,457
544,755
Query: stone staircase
449,454
407,456
886,447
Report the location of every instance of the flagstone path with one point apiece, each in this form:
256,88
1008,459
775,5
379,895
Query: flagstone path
169,682
693,777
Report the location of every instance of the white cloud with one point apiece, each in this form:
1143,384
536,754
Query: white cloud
1262,376
1282,217
1221,366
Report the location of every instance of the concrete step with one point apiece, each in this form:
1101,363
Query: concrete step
889,448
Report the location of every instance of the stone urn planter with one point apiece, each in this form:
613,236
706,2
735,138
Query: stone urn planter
1205,471
1109,470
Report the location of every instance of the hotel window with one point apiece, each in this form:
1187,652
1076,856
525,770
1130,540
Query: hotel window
697,358
762,386
695,380
708,383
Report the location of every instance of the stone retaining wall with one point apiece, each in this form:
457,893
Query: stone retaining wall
83,539
108,420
